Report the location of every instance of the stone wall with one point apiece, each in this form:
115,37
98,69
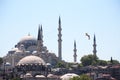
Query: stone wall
32,78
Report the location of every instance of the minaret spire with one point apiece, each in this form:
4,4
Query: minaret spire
40,39
59,20
59,40
75,52
94,47
41,33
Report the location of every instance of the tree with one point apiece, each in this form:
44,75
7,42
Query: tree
102,62
93,60
85,77
60,65
81,77
75,78
113,62
16,78
1,60
89,60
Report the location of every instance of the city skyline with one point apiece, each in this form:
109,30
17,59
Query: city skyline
18,18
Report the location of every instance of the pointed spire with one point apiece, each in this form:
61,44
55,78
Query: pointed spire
94,38
59,20
39,33
74,44
40,39
41,28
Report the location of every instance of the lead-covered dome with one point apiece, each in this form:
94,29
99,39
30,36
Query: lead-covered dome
27,38
30,60
27,41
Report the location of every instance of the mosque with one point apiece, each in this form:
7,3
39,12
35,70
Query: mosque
30,46
31,56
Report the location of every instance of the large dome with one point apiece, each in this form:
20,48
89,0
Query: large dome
27,41
29,60
27,38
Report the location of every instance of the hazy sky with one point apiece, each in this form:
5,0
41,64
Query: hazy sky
99,17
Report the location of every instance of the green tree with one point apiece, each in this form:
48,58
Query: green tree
85,77
1,60
68,65
113,62
60,65
75,78
89,60
16,79
102,62
81,77
93,60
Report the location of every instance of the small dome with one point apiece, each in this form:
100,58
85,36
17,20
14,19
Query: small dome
7,64
68,76
14,49
31,60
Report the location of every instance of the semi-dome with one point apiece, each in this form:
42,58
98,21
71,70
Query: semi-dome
29,60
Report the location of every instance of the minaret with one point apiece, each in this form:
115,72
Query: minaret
40,40
75,51
94,47
59,40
